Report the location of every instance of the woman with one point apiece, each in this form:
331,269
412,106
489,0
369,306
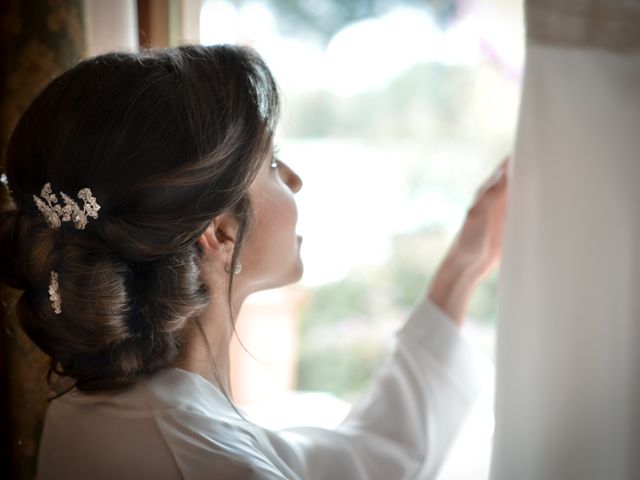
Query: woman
132,284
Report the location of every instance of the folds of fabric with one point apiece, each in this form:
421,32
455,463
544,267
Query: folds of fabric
568,360
176,424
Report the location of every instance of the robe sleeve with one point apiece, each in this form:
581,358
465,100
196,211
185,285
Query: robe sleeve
404,425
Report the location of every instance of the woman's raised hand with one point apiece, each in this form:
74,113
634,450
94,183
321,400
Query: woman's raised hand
476,249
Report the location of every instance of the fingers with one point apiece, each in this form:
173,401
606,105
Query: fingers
499,176
496,181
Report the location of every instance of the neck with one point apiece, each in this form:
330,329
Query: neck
205,350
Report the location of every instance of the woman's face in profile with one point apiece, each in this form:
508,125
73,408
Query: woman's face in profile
270,256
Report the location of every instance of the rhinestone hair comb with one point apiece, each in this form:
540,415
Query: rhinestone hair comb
55,214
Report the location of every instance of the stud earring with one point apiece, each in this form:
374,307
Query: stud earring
236,270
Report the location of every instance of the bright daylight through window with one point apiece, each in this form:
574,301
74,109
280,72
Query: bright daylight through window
393,112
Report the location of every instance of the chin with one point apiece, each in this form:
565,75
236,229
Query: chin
299,271
294,274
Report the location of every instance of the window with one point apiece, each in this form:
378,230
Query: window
394,113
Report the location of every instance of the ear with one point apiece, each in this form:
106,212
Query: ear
220,236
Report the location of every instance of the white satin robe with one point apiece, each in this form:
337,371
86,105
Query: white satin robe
177,425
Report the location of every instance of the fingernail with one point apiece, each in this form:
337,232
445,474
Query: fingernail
496,178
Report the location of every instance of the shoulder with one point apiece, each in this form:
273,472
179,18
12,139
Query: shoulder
173,415
169,389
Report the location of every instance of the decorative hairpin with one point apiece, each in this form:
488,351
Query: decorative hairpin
54,293
55,214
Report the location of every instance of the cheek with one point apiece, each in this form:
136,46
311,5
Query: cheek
279,217
275,216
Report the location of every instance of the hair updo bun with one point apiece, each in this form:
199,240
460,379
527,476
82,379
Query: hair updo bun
166,140
118,321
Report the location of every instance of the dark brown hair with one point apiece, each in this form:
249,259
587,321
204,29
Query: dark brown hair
166,140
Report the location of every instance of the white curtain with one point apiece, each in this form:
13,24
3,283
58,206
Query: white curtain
568,360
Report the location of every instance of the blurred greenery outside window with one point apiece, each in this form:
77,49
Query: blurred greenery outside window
393,114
